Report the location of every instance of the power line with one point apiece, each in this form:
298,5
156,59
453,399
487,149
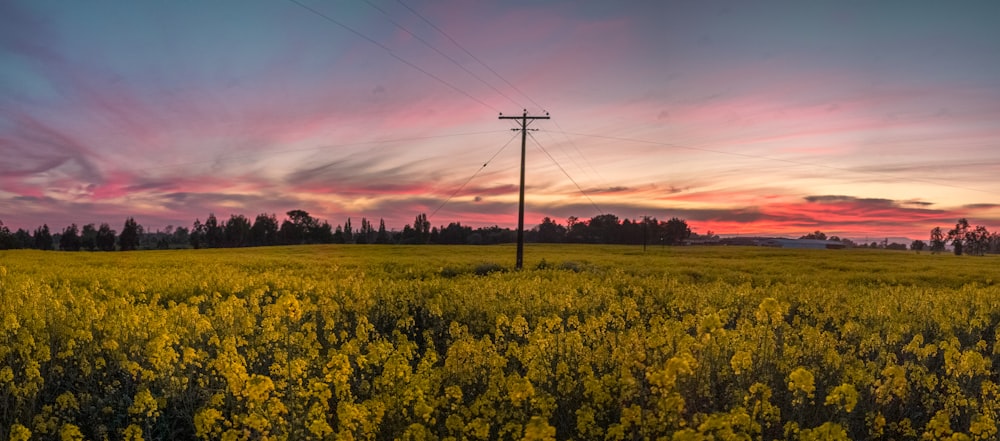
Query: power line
579,152
525,120
446,56
564,151
488,161
393,54
515,88
789,161
567,174
592,172
512,86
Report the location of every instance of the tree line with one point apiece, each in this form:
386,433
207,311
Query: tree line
965,239
299,227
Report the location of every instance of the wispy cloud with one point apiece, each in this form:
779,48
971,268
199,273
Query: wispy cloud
733,120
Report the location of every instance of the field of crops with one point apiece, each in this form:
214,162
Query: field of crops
428,342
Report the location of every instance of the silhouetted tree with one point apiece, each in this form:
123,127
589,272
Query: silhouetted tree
366,234
264,230
23,238
408,235
918,246
816,235
675,231
550,232
349,232
237,231
197,236
422,227
106,238
957,235
295,230
631,232
181,236
291,234
576,231
382,237
368,229
88,237
494,235
454,233
214,233
977,241
322,232
7,239
604,228
301,228
43,238
129,239
70,238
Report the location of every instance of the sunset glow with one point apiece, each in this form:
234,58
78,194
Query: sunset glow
860,119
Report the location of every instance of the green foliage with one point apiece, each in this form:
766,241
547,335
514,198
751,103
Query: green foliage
487,268
412,342
571,266
129,239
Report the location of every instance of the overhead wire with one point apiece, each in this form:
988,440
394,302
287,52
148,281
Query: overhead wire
562,149
512,86
596,171
460,188
393,54
579,152
477,77
573,158
440,52
467,52
560,130
584,193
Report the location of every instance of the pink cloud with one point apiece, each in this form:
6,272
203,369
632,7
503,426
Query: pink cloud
839,214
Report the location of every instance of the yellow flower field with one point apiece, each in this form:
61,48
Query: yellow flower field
436,342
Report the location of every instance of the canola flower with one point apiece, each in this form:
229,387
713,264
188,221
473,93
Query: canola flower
342,342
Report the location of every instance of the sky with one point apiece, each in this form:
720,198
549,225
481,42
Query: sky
856,118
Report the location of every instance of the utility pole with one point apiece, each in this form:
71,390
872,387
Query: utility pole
645,237
524,120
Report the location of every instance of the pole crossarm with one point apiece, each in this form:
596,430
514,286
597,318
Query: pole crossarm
524,120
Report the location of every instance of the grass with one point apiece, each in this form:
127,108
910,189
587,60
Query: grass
733,265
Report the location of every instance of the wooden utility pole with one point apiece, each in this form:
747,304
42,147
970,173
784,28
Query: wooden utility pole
645,221
524,120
